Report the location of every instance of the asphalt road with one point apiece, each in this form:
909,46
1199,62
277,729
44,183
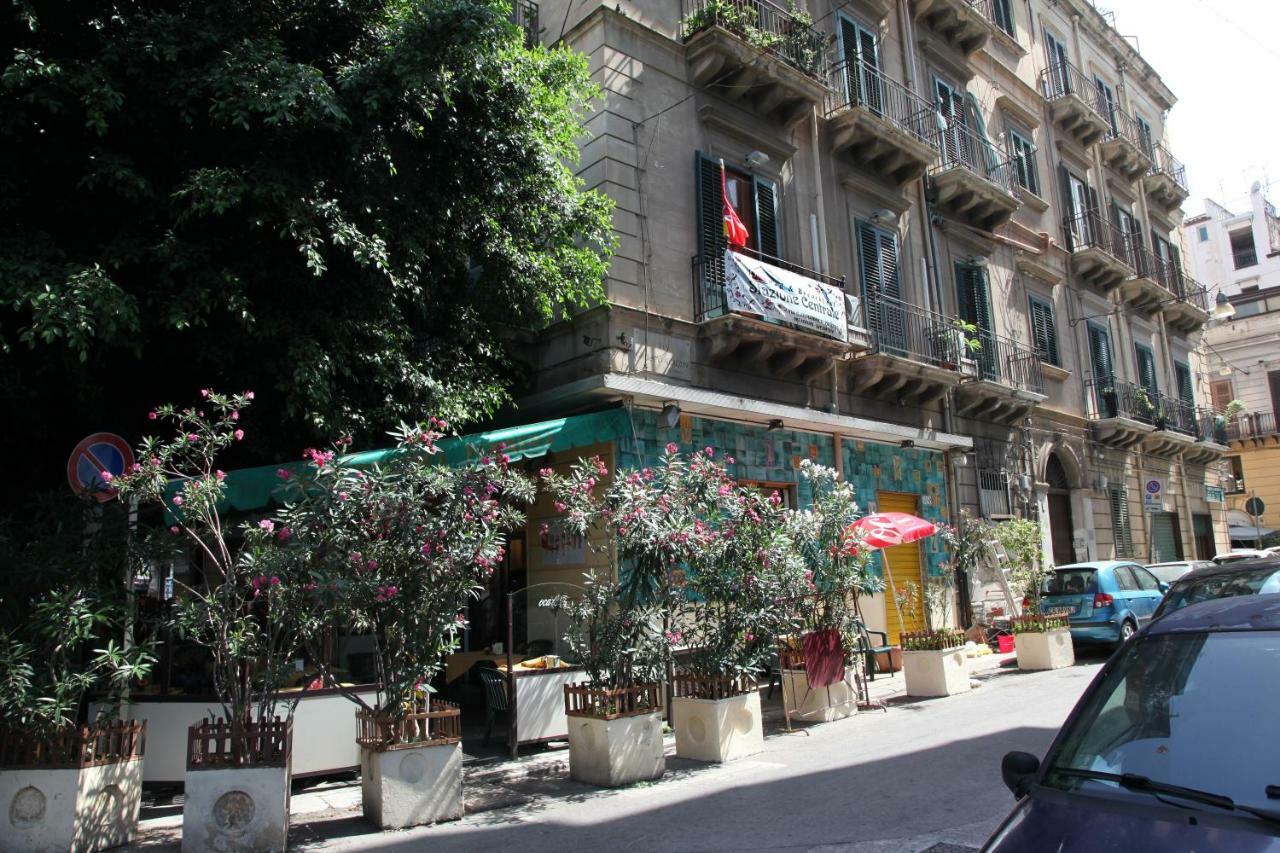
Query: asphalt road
923,776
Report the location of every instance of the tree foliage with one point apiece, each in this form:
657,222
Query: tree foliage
347,203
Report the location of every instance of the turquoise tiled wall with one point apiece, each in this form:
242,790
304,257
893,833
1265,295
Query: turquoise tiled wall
775,456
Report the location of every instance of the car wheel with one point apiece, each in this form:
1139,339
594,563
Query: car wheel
1127,630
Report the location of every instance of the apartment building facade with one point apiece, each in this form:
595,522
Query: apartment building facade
960,286
1237,255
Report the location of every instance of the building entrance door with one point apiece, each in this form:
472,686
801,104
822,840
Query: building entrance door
1166,538
1202,528
901,564
1061,524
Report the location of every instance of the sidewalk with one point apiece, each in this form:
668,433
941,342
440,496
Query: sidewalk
328,812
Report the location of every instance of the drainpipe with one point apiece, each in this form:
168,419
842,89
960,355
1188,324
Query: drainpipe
822,263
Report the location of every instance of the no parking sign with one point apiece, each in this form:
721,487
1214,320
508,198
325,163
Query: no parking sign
102,451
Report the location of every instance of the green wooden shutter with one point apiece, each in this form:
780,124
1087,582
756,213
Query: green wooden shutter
1146,369
1120,521
971,285
767,237
1186,392
1068,207
711,240
878,264
1100,351
1043,331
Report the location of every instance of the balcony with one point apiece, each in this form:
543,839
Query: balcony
1166,182
1100,252
1122,413
965,25
1177,427
1074,103
1211,432
971,181
764,342
1125,145
1145,289
1188,310
757,54
879,124
1007,383
915,355
1254,429
524,14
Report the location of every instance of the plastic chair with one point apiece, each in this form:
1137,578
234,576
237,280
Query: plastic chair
870,650
495,697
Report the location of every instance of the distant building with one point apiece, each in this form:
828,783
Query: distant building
1235,253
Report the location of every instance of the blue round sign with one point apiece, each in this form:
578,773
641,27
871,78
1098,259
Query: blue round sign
95,454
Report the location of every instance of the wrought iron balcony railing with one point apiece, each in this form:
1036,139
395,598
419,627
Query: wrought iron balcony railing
962,148
860,84
763,25
1252,425
524,14
1126,127
1062,79
1164,163
1007,362
1092,230
709,275
1177,415
908,331
1212,426
1192,292
1116,398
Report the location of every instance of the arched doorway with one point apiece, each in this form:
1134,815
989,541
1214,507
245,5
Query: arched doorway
1061,524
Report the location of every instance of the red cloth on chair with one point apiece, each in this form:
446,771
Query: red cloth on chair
823,658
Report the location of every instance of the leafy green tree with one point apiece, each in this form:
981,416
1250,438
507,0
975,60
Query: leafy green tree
352,205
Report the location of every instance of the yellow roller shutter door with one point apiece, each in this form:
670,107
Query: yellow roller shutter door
902,564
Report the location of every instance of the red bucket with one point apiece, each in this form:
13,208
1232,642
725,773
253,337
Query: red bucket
1005,643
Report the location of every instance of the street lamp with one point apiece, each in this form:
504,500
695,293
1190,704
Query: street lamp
1222,307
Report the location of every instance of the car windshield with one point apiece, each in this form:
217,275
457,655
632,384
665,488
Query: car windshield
1181,709
1187,592
1070,582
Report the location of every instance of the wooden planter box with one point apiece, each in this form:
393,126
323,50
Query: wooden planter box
615,735
936,673
717,719
1048,650
411,766
78,791
236,798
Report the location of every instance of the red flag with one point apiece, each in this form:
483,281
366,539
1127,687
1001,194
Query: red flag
734,230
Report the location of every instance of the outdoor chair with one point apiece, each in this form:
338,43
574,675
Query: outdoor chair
495,697
773,672
870,650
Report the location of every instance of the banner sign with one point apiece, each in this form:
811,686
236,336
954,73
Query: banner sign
1214,494
754,287
1153,495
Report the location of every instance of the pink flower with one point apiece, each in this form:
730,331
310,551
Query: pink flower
177,500
174,530
221,475
239,434
107,476
248,395
372,564
342,496
671,447
725,490
192,437
204,392
284,473
728,460
544,529
560,506
151,416
136,467
283,533
544,473
710,453
235,416
267,525
275,581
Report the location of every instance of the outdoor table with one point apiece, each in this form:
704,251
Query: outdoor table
535,698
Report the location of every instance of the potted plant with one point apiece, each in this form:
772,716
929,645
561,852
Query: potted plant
68,782
615,716
821,675
1043,640
934,662
238,762
396,550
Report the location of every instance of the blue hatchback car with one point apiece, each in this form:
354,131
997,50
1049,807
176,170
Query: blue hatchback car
1170,748
1108,600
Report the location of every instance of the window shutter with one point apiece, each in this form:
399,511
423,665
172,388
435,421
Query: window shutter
1120,522
1146,369
1043,332
711,240
1220,394
1068,206
767,237
1100,350
1186,392
971,283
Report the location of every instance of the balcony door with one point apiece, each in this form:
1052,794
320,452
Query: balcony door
1081,225
975,309
1107,100
860,53
756,201
882,287
1144,134
1059,63
1103,371
952,122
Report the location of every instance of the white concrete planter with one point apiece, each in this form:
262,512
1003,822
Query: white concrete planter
935,673
819,704
78,809
1048,650
411,786
718,729
617,752
236,810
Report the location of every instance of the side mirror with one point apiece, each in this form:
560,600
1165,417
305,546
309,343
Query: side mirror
1017,769
1162,586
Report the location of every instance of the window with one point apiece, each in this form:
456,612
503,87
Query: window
1202,234
1100,354
1125,579
1120,521
1107,99
1186,389
1146,581
1220,394
1059,81
1242,248
1235,484
1144,134
1023,154
881,288
1003,12
754,198
1146,369
860,52
1043,332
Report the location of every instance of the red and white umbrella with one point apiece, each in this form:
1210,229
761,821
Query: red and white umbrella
886,529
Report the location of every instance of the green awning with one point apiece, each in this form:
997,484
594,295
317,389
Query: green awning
249,489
